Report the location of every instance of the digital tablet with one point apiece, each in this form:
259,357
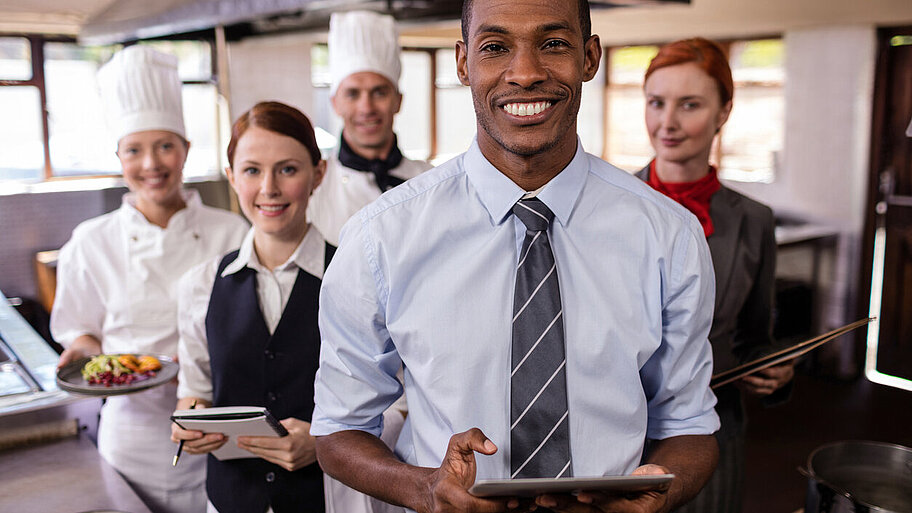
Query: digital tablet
573,485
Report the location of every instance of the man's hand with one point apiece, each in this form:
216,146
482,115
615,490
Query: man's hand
598,502
363,462
768,380
448,485
291,452
81,347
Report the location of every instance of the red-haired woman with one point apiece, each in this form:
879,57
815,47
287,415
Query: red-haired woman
689,88
248,320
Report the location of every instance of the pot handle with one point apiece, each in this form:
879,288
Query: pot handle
810,475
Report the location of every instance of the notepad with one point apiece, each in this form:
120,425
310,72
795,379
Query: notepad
232,421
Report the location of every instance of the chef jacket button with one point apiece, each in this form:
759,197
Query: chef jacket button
271,396
134,238
270,477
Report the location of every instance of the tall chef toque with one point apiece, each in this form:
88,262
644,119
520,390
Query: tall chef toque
363,41
140,90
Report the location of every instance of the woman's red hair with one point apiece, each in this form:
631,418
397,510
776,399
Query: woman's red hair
706,54
279,118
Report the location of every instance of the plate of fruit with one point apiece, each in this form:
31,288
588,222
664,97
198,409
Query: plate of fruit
116,374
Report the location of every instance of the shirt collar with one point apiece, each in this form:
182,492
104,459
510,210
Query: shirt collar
498,193
309,255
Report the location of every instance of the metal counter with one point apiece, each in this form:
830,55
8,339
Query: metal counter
65,476
48,459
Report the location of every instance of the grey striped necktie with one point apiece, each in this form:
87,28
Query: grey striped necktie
540,425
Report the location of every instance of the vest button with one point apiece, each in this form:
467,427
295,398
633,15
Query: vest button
271,396
270,477
269,354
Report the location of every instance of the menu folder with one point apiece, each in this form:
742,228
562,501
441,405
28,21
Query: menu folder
232,421
726,377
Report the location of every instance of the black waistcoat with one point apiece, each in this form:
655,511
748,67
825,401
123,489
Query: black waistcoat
251,368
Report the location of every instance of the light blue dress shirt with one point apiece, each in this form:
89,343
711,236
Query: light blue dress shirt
424,276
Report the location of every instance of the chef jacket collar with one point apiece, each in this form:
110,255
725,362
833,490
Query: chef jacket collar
307,256
498,193
180,219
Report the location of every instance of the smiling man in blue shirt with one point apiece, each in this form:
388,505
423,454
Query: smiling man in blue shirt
426,277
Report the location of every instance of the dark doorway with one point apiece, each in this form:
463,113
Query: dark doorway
887,254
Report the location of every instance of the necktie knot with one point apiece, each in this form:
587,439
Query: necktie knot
534,214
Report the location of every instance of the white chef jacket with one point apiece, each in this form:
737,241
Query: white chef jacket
117,281
344,191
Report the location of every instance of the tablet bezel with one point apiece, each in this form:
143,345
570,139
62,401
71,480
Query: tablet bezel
531,487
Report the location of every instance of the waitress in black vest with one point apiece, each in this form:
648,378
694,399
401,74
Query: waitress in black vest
248,320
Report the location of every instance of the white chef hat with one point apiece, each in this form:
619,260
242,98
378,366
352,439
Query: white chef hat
363,41
140,90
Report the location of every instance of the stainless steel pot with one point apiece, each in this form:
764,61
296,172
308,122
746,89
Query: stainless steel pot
859,477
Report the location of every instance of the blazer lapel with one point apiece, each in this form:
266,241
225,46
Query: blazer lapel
723,243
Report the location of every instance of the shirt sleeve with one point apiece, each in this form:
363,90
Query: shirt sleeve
194,290
79,308
356,381
676,378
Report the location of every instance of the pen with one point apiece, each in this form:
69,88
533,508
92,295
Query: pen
180,446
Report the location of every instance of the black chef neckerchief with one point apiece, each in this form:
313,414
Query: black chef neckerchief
380,168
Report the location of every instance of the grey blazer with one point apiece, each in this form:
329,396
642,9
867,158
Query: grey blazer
743,249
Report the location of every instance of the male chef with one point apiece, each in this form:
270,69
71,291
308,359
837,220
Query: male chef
364,64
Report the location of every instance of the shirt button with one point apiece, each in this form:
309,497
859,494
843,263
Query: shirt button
345,179
270,477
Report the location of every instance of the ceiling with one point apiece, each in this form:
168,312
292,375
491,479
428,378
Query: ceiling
110,21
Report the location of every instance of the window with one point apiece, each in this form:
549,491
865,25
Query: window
455,110
750,142
79,141
15,58
22,133
64,87
627,142
752,139
412,125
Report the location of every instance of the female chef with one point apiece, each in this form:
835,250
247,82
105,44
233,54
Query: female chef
689,88
117,275
248,320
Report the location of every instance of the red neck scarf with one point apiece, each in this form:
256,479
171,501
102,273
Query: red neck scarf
694,196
